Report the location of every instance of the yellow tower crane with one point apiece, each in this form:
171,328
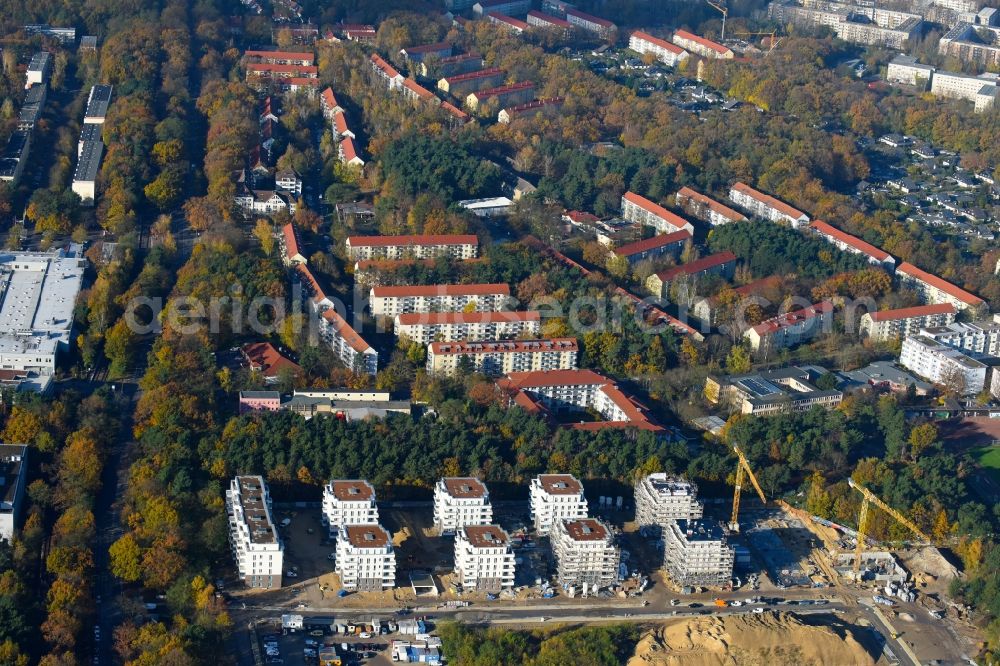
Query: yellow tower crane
742,470
869,499
722,9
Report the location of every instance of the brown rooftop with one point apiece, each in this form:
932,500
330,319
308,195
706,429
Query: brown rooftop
352,491
464,487
560,484
367,536
486,536
586,529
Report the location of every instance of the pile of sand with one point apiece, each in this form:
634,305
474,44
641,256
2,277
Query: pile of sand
767,639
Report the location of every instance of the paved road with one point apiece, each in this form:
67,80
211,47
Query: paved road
107,588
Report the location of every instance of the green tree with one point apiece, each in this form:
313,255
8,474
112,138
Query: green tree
126,559
738,361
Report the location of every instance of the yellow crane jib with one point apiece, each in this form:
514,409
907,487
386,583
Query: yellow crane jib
870,498
742,470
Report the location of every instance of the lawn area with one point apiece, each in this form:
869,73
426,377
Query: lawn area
989,458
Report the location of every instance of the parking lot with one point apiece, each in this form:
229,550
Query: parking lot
304,646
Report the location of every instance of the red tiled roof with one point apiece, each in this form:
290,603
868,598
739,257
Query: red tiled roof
455,111
540,378
441,290
270,67
652,243
291,240
853,241
662,43
469,76
712,204
388,69
590,18
580,216
768,200
282,55
328,99
693,267
775,324
707,43
440,318
504,346
264,357
655,209
347,145
503,90
509,20
534,104
939,283
340,122
907,313
302,81
419,239
344,330
427,48
551,20
461,57
417,89
309,279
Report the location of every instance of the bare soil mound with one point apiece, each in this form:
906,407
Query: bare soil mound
768,639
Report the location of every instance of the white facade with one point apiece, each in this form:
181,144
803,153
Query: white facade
765,206
366,561
790,329
978,338
392,301
907,71
661,499
555,497
348,502
955,85
585,552
933,289
501,357
484,560
459,246
461,501
943,365
639,209
665,52
424,328
888,325
697,554
255,544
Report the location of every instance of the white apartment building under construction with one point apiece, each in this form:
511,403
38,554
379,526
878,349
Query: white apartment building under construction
252,536
585,553
555,497
661,499
484,560
348,502
461,501
366,561
695,553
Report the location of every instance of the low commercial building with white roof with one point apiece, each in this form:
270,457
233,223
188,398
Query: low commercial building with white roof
365,559
348,502
555,497
461,501
585,553
661,498
695,553
484,560
37,295
253,538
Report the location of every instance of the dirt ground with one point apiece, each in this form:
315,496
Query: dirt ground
776,639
